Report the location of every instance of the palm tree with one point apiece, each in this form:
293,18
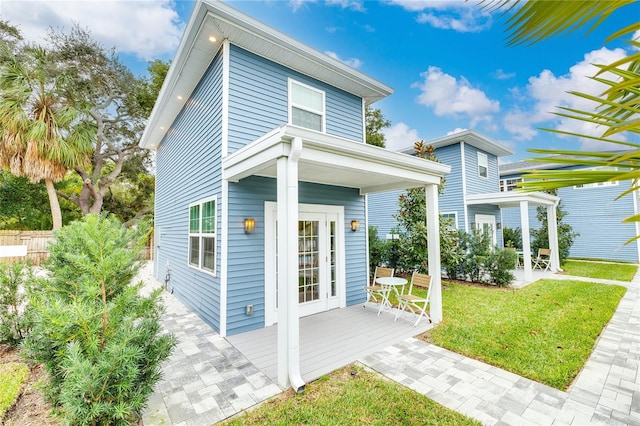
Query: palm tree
41,135
616,110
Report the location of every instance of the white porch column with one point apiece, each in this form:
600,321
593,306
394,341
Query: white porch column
433,242
526,240
552,227
288,312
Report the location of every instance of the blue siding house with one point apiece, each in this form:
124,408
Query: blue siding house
592,210
262,177
471,196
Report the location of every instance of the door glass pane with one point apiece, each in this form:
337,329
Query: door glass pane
333,291
308,269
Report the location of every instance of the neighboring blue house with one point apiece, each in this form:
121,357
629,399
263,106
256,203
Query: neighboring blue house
471,195
252,129
592,211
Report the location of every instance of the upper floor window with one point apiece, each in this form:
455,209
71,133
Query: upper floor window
306,106
202,235
507,185
599,184
483,165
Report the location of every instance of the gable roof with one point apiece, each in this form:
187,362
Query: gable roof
211,23
470,137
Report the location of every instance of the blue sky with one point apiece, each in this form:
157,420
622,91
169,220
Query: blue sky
447,61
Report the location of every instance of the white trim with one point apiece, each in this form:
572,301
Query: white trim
270,215
455,218
364,121
485,160
226,53
201,235
491,221
224,256
291,104
463,166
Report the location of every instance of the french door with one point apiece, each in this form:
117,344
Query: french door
320,261
487,224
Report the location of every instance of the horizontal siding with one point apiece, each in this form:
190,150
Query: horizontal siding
187,170
451,198
246,268
382,209
597,216
475,183
258,100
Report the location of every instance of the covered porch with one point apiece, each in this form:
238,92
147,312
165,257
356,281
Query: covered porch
523,200
330,340
290,155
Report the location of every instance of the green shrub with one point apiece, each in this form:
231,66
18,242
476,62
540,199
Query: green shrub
99,340
451,252
499,265
477,245
512,237
14,310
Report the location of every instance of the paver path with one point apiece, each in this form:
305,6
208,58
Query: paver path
607,391
207,380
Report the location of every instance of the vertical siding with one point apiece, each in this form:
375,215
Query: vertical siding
246,268
258,100
187,170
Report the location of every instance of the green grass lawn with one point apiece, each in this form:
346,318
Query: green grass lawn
545,331
12,377
608,271
343,398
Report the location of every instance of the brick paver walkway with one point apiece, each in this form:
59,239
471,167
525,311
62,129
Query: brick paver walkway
606,392
207,380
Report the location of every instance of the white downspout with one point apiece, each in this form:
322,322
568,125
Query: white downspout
293,320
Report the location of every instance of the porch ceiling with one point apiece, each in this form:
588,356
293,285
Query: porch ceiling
513,198
331,160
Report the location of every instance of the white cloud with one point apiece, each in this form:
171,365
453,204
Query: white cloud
456,130
354,5
454,15
352,62
451,97
400,136
146,29
546,92
499,74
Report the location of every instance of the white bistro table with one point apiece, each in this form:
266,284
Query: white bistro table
390,284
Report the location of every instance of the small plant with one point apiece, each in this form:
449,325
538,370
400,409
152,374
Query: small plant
99,340
512,237
451,252
499,265
477,244
14,311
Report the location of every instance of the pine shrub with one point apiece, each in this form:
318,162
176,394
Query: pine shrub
15,280
98,338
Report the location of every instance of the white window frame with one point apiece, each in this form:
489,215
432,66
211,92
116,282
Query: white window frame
598,184
202,235
483,158
505,184
292,105
455,218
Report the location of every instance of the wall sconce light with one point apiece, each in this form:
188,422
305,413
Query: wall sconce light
355,225
498,225
249,225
